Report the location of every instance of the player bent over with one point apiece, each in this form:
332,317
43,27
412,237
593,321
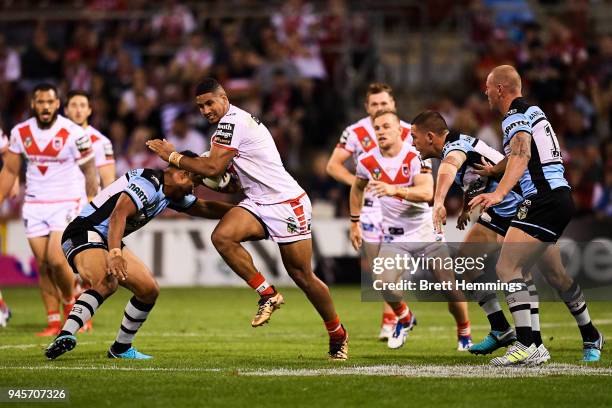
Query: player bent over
395,174
92,244
276,207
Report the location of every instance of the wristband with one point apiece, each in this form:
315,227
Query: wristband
115,252
175,159
355,218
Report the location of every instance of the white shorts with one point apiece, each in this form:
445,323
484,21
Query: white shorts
371,224
42,217
284,222
414,240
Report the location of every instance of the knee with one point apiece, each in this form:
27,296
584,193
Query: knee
221,240
149,293
56,263
303,278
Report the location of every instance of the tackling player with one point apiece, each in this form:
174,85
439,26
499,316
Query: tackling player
533,162
78,110
394,172
355,140
54,149
276,207
93,246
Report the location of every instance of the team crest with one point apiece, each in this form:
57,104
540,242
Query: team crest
292,226
58,143
27,142
523,209
405,170
366,142
376,173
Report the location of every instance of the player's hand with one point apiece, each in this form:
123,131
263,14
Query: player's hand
439,217
380,188
162,148
117,266
463,220
356,236
485,169
486,201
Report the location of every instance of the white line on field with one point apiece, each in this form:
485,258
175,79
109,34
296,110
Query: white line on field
429,371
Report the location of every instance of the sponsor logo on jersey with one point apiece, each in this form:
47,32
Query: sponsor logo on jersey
515,124
139,193
224,133
511,112
256,119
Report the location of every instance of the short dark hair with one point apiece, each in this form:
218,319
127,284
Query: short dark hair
43,87
430,121
378,87
207,85
77,92
187,153
384,112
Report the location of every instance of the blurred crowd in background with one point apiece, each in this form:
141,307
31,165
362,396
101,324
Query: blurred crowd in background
289,63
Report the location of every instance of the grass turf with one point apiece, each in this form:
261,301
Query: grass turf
204,348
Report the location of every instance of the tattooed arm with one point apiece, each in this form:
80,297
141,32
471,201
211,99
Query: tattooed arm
518,159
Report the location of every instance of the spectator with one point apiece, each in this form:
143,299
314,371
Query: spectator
41,60
184,137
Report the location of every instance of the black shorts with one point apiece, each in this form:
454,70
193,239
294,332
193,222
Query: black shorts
495,222
545,216
78,237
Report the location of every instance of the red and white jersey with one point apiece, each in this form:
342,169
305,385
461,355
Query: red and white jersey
400,217
360,138
102,147
257,163
53,156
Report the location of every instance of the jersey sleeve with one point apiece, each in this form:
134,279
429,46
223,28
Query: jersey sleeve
183,205
228,135
361,171
461,145
346,141
142,192
15,145
104,154
517,122
82,146
426,166
416,165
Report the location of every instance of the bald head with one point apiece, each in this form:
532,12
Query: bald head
507,76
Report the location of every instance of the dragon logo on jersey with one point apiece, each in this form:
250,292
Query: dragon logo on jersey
57,143
292,226
377,173
523,209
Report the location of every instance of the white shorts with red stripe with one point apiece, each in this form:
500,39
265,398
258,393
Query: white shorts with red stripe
284,222
42,217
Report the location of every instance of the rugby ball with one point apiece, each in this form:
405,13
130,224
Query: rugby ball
216,183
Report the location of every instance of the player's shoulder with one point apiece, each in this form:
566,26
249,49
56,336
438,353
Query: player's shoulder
458,141
22,126
367,156
97,136
149,177
70,126
518,107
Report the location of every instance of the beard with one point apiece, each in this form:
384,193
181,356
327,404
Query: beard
45,125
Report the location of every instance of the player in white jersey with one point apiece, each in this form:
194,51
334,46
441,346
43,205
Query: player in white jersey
276,207
355,140
56,151
395,173
78,110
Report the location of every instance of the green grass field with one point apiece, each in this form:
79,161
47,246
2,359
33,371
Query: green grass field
207,354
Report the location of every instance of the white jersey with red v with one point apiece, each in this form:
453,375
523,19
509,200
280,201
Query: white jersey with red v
53,156
398,171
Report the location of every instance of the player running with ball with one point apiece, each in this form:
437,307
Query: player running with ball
276,207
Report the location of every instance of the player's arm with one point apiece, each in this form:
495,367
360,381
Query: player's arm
355,203
446,177
107,174
9,174
209,209
88,167
518,159
421,190
335,166
212,166
125,207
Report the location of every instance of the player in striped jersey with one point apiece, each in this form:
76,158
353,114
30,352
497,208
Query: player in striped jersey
534,163
93,246
404,185
355,140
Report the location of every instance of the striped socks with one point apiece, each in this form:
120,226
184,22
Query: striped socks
576,304
83,309
535,312
519,303
134,316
